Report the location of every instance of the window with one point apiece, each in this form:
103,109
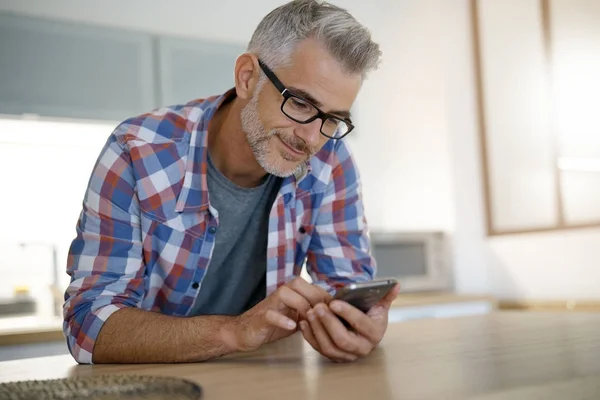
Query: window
538,80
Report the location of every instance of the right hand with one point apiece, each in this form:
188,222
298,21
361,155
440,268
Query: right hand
277,315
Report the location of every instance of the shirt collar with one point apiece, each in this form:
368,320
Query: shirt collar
194,192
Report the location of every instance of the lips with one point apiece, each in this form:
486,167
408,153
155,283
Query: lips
291,149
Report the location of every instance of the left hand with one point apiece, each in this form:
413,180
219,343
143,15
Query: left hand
327,335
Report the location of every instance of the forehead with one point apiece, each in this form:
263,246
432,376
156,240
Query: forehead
314,71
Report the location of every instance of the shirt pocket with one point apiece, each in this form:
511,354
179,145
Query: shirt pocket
171,253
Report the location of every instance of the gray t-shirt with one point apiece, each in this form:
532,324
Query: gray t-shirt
236,277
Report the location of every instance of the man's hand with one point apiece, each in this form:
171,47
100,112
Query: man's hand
327,335
277,315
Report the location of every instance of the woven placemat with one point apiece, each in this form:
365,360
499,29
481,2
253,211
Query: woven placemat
103,387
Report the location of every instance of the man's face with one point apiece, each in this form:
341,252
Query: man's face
280,144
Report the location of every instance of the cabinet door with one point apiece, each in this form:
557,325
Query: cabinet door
192,69
60,69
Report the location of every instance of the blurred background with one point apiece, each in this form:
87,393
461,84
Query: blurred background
478,139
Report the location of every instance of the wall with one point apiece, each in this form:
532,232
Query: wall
402,143
200,19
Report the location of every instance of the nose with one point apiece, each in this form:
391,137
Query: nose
310,133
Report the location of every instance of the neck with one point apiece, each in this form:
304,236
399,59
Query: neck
229,148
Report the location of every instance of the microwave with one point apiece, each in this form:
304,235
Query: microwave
420,261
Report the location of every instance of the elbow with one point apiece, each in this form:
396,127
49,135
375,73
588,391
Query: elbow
82,326
77,347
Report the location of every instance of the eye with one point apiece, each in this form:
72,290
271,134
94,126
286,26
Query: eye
331,123
299,104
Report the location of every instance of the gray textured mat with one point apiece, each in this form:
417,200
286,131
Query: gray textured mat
104,387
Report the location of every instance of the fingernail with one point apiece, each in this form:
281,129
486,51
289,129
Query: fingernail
311,315
337,307
291,324
320,311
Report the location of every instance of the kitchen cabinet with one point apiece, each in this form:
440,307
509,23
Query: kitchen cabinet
191,69
69,70
61,69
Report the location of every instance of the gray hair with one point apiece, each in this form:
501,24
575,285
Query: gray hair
348,42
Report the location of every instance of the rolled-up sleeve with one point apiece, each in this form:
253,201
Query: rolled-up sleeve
340,250
105,259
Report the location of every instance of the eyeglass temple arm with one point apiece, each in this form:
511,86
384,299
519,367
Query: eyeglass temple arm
276,82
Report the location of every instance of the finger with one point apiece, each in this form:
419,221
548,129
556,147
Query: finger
367,327
275,318
344,339
388,299
312,293
326,346
380,310
293,300
309,335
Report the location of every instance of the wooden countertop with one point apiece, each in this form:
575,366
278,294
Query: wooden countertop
30,329
439,298
25,330
502,355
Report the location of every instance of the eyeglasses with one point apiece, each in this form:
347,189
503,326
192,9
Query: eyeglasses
303,111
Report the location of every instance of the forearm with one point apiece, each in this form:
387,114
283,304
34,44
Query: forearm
132,335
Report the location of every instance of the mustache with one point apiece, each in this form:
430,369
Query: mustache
296,143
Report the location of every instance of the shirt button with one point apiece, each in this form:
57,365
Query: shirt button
302,230
195,285
212,230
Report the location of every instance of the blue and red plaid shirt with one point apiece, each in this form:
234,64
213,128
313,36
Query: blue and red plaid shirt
147,230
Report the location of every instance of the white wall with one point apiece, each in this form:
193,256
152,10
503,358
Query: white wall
226,20
191,18
417,138
401,142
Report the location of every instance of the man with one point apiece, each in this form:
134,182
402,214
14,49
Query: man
198,218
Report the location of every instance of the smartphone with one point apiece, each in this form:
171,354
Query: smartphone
364,295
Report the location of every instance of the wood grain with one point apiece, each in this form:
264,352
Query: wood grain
504,355
31,336
550,305
439,298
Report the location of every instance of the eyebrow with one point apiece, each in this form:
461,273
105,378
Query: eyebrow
304,94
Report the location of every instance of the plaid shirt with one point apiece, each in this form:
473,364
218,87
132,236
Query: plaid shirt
146,234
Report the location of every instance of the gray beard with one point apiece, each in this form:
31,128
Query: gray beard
258,139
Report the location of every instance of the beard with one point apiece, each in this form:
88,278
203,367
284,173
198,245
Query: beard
259,140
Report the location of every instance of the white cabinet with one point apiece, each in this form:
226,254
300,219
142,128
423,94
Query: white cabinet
62,69
192,69
519,146
69,70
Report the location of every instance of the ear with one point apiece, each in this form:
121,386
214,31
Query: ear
247,74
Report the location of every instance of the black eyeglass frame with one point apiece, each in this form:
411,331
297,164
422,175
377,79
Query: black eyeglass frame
286,93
